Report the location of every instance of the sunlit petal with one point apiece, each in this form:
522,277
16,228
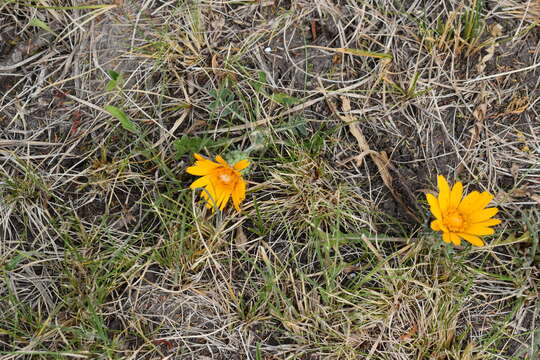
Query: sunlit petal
483,201
490,222
220,160
446,237
444,193
467,203
209,194
436,225
479,230
202,167
241,165
434,206
223,200
474,240
483,215
455,239
239,193
456,194
201,182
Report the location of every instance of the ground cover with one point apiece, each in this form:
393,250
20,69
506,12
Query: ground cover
348,110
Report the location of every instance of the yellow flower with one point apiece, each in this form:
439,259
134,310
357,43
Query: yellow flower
219,180
465,218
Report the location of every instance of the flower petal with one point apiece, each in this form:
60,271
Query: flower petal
468,202
200,182
241,165
476,229
223,200
202,167
490,222
239,193
474,240
456,194
434,206
198,156
439,225
444,193
455,239
209,194
483,215
220,160
483,201
446,237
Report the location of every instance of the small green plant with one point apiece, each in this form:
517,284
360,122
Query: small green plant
125,121
223,103
472,22
190,144
115,82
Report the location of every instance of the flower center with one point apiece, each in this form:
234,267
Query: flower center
454,221
225,178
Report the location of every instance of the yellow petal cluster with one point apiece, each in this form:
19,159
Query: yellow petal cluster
462,218
219,181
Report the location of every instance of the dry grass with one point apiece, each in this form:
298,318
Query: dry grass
105,252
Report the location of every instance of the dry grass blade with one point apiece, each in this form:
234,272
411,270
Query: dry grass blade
524,10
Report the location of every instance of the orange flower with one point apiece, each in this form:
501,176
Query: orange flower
219,181
459,218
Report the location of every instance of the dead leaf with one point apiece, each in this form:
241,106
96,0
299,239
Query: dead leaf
502,197
196,126
409,334
449,336
523,139
351,268
520,192
241,238
163,342
517,105
313,30
514,170
125,219
467,353
218,72
496,31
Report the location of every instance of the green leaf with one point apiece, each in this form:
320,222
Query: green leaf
40,24
116,80
14,261
262,77
111,85
113,74
189,144
125,121
257,85
316,143
284,99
